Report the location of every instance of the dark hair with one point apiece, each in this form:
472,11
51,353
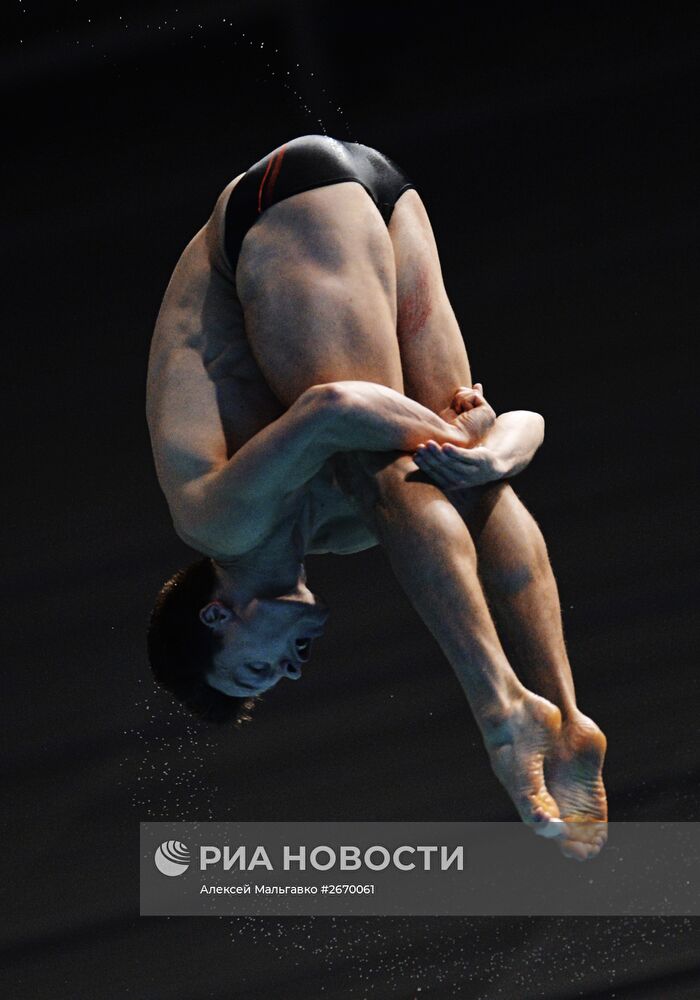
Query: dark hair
181,647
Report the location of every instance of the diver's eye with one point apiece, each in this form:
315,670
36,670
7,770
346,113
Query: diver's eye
303,647
257,666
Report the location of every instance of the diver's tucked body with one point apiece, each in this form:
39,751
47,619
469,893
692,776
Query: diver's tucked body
309,392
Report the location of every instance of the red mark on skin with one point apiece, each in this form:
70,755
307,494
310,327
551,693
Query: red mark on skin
414,307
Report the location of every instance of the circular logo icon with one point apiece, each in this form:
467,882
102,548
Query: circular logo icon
172,858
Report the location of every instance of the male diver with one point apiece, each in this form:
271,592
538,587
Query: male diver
309,392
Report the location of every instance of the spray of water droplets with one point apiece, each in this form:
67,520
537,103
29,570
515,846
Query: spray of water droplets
483,958
291,80
302,84
170,777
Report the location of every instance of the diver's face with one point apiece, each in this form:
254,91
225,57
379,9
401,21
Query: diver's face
263,641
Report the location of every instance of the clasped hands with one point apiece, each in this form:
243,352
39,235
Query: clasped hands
451,467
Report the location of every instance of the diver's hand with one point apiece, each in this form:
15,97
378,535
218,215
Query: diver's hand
471,413
368,416
467,398
453,468
508,448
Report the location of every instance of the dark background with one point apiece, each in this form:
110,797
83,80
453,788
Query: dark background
552,146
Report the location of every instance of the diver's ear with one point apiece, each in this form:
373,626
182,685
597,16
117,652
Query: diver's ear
215,614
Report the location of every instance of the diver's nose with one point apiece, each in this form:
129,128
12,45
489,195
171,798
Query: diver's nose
290,670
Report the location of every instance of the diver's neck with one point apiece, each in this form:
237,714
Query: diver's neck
274,568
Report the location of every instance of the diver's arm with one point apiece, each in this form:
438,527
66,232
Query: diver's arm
514,439
234,505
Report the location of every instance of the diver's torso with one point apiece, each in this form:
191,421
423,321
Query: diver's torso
201,311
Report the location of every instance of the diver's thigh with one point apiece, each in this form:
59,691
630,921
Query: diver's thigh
317,282
433,356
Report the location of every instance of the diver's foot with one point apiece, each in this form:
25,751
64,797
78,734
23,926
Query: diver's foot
574,777
517,744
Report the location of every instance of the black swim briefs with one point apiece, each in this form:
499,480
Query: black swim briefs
305,163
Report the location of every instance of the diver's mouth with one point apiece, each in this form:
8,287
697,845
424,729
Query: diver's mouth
303,648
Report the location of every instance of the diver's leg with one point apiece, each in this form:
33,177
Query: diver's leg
434,560
510,547
517,577
317,282
513,564
316,278
523,597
